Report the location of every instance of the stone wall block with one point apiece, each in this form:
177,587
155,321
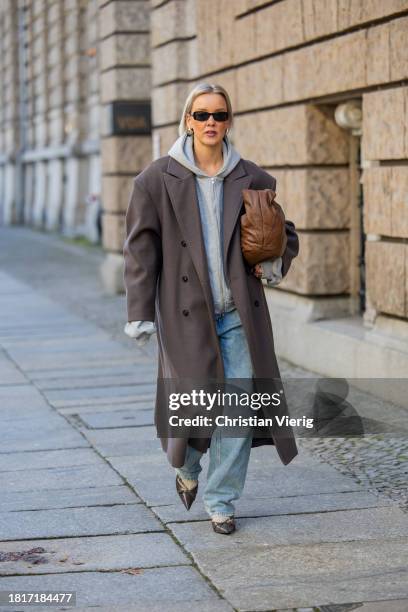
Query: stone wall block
228,80
124,49
278,26
124,16
260,84
56,126
113,232
384,120
170,62
319,17
399,203
299,134
386,201
326,142
378,187
226,35
351,13
386,277
213,43
245,39
399,48
167,136
326,67
168,101
125,84
172,20
322,266
126,154
378,62
116,193
315,198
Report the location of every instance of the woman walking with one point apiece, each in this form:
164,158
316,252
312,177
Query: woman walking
186,279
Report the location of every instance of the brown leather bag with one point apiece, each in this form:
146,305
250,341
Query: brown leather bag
263,231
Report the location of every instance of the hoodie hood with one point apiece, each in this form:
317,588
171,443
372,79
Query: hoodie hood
182,151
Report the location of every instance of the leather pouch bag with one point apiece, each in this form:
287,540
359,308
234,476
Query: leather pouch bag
263,231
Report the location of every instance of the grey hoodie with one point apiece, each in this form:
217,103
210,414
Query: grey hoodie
210,191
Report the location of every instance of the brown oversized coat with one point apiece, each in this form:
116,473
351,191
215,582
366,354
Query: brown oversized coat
164,246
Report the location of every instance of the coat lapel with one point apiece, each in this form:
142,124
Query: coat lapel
180,184
234,183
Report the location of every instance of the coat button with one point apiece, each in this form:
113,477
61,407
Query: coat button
185,278
183,243
185,313
256,303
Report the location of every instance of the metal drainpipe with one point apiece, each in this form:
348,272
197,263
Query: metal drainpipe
349,116
22,115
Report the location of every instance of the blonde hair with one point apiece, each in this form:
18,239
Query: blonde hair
199,89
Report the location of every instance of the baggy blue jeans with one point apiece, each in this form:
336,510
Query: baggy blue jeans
228,457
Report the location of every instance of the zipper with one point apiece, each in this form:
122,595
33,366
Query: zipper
220,266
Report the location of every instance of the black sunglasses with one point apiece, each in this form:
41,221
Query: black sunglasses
203,115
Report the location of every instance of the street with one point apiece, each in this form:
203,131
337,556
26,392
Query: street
88,500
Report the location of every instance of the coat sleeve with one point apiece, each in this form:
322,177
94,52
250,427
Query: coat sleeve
142,254
292,247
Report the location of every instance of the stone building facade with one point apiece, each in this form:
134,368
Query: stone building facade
320,94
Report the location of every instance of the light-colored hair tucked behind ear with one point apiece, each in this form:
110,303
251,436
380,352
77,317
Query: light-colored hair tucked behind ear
199,89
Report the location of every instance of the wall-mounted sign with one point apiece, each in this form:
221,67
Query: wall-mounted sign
130,118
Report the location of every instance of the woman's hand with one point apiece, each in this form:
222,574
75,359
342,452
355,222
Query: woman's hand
270,270
257,270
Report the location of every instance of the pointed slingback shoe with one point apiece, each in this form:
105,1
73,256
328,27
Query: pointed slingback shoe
186,496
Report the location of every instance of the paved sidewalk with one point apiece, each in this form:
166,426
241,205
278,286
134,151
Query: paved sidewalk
88,501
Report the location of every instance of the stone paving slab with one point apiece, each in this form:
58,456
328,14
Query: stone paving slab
40,361
153,478
57,439
13,411
44,459
300,479
389,605
249,506
334,589
42,332
343,525
95,554
21,395
69,477
140,366
181,606
67,498
23,401
167,586
39,422
302,576
22,327
79,342
115,419
125,442
10,285
13,306
9,373
70,364
282,567
93,395
141,403
69,522
114,380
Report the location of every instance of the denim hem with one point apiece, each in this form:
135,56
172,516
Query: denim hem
185,476
218,517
